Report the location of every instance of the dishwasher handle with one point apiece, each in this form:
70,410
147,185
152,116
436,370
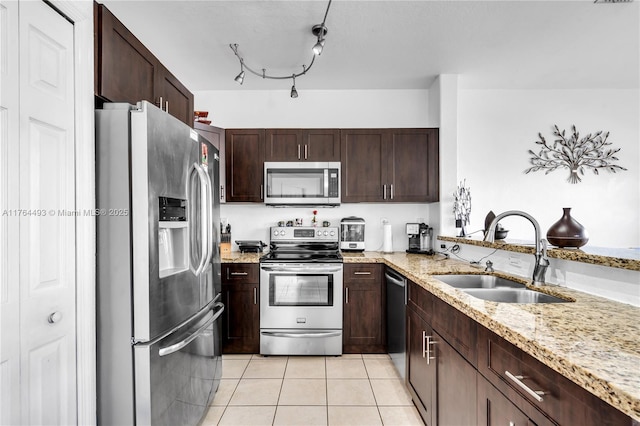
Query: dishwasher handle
394,278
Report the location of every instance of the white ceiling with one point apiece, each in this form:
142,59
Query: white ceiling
516,44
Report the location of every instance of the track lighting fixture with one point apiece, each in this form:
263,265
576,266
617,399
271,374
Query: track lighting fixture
294,92
319,31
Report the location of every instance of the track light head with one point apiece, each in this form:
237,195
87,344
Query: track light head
240,77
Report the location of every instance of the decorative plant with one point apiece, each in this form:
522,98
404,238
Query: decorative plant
574,153
462,206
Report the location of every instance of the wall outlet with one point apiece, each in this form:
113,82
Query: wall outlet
515,261
443,246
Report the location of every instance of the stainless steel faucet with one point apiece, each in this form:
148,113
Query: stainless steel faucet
542,262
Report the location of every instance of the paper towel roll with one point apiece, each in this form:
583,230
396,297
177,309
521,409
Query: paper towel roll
387,240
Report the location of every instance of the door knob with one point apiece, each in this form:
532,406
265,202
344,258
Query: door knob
54,317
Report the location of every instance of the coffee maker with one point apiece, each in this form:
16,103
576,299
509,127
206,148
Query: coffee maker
420,238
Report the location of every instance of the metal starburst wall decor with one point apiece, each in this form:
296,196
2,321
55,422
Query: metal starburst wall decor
574,153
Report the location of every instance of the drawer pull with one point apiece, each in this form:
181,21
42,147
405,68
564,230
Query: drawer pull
240,273
537,395
361,273
428,344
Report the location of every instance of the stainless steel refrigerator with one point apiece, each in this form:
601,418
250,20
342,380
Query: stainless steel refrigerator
158,268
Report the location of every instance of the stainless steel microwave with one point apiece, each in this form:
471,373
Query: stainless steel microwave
302,183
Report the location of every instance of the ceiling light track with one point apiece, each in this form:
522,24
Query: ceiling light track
318,30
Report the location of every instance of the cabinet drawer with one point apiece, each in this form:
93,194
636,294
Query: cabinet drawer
520,377
457,329
362,272
240,272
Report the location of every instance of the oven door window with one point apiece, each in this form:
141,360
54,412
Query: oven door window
296,183
300,290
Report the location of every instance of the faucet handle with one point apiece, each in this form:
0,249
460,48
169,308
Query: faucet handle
489,267
543,242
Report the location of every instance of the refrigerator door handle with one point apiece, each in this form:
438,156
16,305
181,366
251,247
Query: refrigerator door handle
209,208
204,213
181,344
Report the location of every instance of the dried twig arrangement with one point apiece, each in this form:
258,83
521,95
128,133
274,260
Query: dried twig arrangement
462,206
574,153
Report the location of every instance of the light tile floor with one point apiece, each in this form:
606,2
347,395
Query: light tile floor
279,390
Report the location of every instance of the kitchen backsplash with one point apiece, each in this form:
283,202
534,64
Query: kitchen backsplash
252,221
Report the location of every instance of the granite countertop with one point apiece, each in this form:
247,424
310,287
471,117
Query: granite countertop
592,341
614,258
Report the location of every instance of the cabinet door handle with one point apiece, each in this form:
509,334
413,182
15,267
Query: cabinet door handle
384,192
166,106
346,295
362,273
298,151
537,395
261,192
430,342
239,273
305,152
221,192
255,295
391,186
424,344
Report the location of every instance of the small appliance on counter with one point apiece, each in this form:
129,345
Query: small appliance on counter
352,234
420,238
250,246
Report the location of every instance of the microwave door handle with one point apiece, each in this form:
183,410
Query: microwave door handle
326,182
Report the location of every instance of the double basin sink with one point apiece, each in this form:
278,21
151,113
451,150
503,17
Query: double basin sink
497,289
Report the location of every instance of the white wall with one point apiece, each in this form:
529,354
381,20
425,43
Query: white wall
252,221
315,108
496,128
319,109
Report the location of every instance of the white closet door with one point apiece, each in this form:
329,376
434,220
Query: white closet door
37,186
9,241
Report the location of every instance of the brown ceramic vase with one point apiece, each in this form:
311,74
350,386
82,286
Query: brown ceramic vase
567,232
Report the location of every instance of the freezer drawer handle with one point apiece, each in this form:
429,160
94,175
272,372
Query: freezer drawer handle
301,335
177,346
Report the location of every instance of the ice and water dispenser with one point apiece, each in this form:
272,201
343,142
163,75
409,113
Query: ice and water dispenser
173,236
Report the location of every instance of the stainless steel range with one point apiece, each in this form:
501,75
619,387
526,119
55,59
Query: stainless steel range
301,292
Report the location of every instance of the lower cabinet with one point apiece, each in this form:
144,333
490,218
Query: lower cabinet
364,309
441,382
241,318
421,371
495,409
461,373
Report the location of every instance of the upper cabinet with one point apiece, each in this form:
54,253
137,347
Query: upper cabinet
302,145
390,165
244,162
126,71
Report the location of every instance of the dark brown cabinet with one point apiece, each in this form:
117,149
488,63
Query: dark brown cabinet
302,145
241,318
537,390
495,409
441,381
126,71
364,313
390,165
421,367
244,165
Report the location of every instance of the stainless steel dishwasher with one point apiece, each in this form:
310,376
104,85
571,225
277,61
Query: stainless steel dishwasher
396,319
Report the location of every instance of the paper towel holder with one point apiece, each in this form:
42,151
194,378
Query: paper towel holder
387,237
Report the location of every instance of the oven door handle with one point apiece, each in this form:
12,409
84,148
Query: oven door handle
302,335
300,269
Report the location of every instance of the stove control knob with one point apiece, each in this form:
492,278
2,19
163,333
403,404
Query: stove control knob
319,233
332,233
326,233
